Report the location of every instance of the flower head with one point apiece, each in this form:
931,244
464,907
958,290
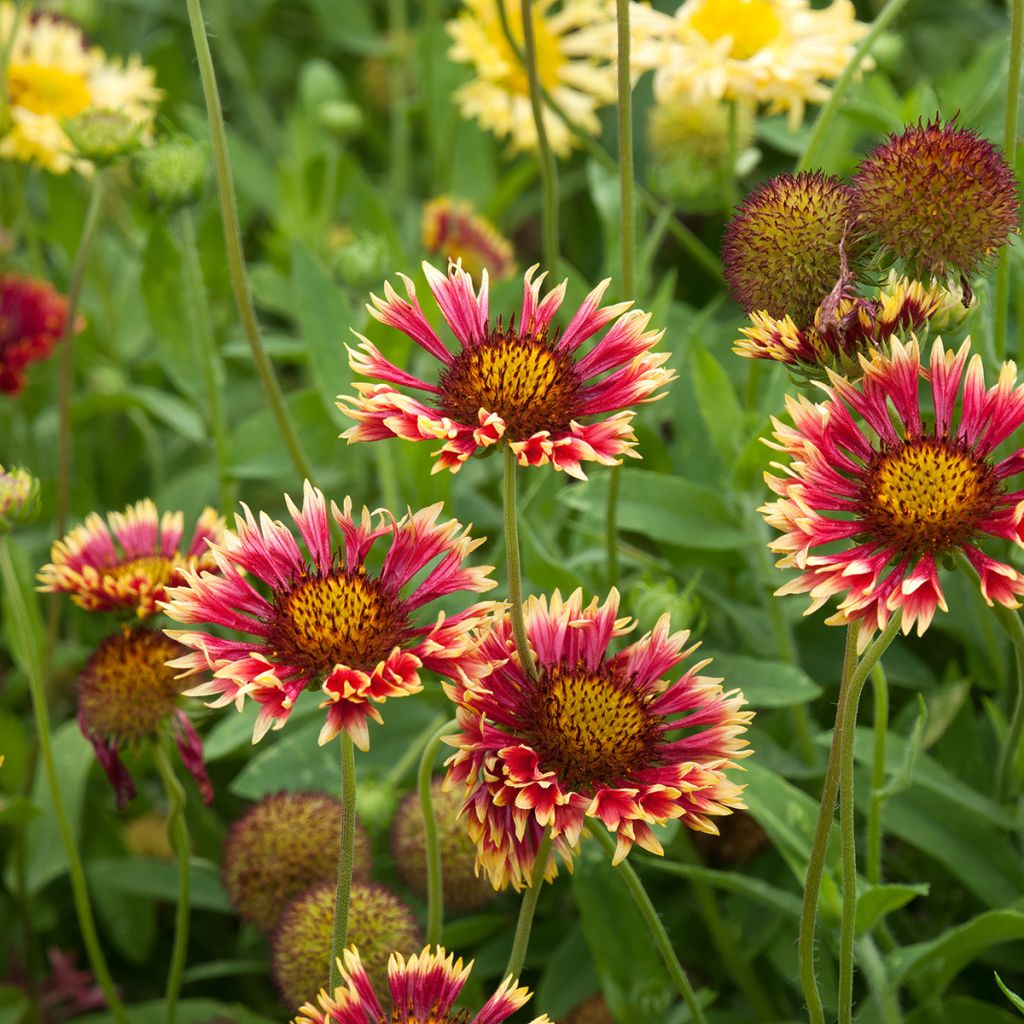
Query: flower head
594,735
379,923
280,847
784,249
32,321
103,136
423,991
327,619
763,51
453,231
521,385
126,693
135,572
19,497
574,61
55,74
877,489
939,197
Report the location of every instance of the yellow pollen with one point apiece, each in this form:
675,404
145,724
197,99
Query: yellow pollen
47,90
156,570
927,495
591,730
549,52
752,24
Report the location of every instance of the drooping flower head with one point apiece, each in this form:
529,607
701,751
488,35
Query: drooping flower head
19,497
423,990
939,197
128,562
453,231
784,249
32,321
575,63
379,924
126,694
517,384
280,847
595,735
326,619
54,74
898,484
775,52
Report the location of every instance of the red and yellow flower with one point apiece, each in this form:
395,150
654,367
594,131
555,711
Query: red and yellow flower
453,231
326,620
518,385
32,320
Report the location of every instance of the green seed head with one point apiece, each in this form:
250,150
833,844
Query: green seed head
173,172
103,136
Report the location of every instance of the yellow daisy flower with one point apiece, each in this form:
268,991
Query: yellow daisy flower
54,74
763,51
574,59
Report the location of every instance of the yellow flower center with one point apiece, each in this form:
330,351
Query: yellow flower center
153,570
591,729
47,90
549,50
125,689
336,619
751,24
927,495
526,381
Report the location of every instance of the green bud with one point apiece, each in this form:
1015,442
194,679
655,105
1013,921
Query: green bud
173,171
344,119
103,136
19,498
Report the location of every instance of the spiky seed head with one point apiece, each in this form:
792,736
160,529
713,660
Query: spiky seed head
173,172
782,249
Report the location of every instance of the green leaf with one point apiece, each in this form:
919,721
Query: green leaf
25,645
960,1010
127,920
1018,1003
190,1011
158,880
13,1004
17,810
765,684
878,900
719,406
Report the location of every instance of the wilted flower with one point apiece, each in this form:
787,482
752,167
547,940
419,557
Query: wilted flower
594,735
32,320
575,64
517,385
19,497
898,488
327,619
132,574
126,693
453,231
279,848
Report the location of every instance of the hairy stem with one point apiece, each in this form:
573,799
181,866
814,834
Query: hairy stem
877,806
521,941
432,844
515,582
346,856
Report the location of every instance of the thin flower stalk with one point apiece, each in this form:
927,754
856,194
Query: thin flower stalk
346,856
524,924
880,690
431,841
513,567
398,179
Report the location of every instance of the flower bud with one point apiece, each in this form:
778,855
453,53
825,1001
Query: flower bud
19,498
103,136
173,171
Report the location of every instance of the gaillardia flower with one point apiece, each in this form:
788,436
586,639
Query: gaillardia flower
897,489
939,197
575,63
280,847
326,619
784,250
517,385
54,74
423,991
32,321
763,51
379,924
126,693
594,735
452,230
132,574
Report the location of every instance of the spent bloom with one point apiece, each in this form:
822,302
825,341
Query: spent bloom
127,562
453,231
54,74
522,384
575,63
594,735
776,52
881,485
32,320
326,619
126,694
423,990
19,497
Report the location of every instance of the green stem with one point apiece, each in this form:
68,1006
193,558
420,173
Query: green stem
398,178
207,356
611,528
233,243
521,941
657,929
177,831
1001,300
33,668
881,693
731,191
878,982
435,882
346,856
828,112
65,378
545,155
515,582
